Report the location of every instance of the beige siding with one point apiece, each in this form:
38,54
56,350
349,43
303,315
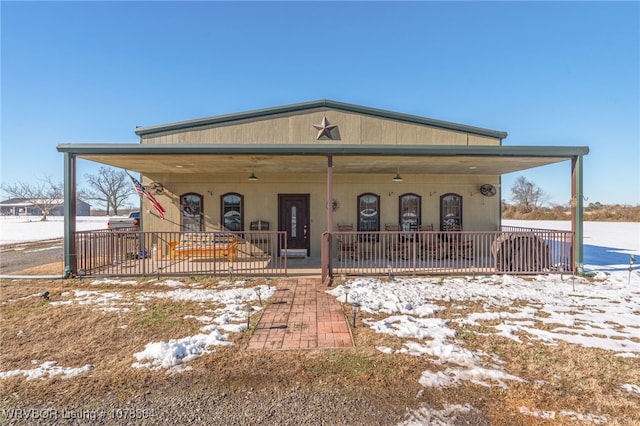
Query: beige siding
298,129
482,140
261,199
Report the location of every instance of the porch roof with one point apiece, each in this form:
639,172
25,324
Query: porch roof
304,158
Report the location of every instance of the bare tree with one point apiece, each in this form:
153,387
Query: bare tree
44,195
527,195
110,187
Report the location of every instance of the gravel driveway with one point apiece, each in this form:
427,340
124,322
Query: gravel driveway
20,256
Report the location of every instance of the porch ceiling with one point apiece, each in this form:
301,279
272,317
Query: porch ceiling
385,159
206,164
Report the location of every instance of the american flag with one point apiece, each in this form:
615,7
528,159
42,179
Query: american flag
142,191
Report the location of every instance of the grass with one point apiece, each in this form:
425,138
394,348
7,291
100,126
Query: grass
558,377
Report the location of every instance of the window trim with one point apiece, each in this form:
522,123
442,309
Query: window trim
442,197
222,203
201,198
419,213
377,197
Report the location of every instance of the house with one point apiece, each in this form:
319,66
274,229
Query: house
305,168
24,207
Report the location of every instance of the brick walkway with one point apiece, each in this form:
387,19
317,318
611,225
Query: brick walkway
300,315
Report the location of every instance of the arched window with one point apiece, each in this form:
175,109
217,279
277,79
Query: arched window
450,211
232,211
409,212
191,212
368,212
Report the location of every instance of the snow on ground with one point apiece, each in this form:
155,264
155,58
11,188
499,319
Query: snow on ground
230,314
175,352
607,245
47,369
19,229
602,313
598,313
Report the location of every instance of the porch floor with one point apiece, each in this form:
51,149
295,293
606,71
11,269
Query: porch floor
301,315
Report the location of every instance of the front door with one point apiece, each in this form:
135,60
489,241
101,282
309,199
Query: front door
293,217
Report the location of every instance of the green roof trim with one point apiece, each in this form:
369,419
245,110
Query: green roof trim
323,150
324,103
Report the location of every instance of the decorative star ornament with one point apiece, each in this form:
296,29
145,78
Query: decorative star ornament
324,128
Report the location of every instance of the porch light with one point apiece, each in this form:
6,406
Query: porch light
252,177
397,177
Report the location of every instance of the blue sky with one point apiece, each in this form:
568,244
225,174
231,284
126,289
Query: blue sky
548,73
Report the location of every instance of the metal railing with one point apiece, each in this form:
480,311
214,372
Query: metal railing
264,253
127,252
511,251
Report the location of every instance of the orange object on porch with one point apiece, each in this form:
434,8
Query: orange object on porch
205,245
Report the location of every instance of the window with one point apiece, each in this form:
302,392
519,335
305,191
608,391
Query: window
191,212
409,212
232,212
450,211
368,212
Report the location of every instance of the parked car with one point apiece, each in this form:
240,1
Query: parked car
121,222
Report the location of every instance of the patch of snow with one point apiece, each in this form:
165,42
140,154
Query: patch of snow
158,355
631,388
432,417
593,418
110,281
571,415
47,369
535,412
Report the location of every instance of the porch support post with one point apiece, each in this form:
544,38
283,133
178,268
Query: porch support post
69,214
329,212
577,218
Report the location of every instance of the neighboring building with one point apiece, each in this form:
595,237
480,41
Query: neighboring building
304,168
23,207
82,209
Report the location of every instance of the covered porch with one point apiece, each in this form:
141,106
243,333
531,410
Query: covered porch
508,251
379,252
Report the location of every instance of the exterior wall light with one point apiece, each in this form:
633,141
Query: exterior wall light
252,177
397,177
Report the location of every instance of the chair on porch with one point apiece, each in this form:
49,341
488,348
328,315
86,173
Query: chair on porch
396,246
347,244
459,247
261,241
431,246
